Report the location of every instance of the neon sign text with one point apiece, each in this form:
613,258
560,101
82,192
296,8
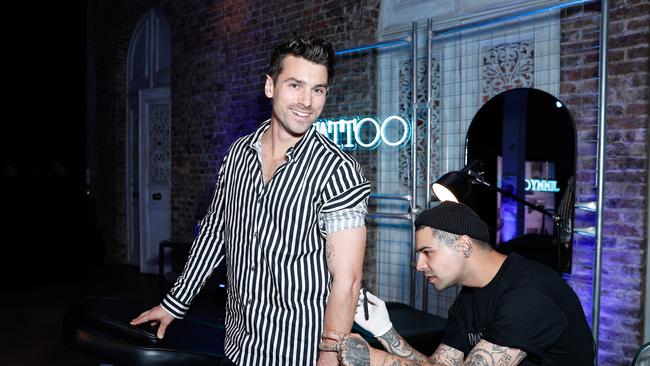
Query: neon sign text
347,133
541,185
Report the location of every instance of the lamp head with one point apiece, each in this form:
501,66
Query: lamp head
454,186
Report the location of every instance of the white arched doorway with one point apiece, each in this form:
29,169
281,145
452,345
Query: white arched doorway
148,158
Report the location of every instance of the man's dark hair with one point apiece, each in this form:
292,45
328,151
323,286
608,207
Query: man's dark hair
313,49
447,238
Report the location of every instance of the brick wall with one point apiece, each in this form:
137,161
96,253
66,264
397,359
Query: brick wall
218,78
626,164
220,54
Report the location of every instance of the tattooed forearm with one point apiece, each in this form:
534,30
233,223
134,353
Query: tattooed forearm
447,356
391,360
511,356
489,354
398,346
480,357
354,351
444,356
519,357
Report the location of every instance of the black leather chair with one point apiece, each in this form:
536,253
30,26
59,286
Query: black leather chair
100,326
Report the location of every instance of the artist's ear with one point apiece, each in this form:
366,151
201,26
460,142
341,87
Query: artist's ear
268,87
464,246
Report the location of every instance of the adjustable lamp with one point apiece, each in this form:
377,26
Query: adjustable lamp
456,185
453,186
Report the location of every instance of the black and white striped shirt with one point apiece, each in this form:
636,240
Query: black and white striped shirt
273,239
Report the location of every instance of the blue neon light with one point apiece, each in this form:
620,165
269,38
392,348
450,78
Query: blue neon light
373,46
346,133
541,185
507,18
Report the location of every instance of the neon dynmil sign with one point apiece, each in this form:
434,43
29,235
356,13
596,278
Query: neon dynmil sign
347,133
541,185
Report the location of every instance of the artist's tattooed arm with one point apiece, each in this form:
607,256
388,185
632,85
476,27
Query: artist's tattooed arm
444,356
447,356
355,351
490,354
395,344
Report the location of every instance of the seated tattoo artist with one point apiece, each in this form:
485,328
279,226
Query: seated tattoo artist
510,310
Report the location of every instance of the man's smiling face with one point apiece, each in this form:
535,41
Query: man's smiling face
298,94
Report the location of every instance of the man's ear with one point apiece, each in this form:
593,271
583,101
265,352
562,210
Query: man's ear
268,87
464,246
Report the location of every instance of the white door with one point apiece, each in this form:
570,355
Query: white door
155,174
133,181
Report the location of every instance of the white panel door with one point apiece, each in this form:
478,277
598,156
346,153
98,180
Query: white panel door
155,174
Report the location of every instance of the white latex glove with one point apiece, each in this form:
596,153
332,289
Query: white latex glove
378,322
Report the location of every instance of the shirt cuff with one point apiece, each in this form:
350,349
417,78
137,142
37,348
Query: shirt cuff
174,307
344,219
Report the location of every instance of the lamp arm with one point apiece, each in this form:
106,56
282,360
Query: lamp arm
476,177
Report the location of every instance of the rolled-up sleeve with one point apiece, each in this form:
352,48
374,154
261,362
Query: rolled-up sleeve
348,218
345,199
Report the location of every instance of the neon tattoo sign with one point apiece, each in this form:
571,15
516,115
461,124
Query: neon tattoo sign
541,185
347,133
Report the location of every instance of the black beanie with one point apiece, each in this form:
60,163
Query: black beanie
454,218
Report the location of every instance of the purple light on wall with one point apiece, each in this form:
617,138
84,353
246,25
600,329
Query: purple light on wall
508,219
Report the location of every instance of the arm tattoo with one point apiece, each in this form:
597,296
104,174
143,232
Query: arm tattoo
355,352
447,356
398,346
519,357
329,251
480,357
489,354
390,360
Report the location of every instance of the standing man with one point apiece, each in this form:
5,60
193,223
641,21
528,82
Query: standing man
288,218
510,310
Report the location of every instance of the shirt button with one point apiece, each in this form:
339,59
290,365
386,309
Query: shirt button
255,234
250,301
252,268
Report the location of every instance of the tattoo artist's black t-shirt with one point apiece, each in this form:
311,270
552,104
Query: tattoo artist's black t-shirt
527,306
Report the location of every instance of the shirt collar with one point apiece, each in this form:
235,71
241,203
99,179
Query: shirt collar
255,138
295,151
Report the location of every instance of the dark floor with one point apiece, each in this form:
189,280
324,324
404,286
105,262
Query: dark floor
32,328
31,332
